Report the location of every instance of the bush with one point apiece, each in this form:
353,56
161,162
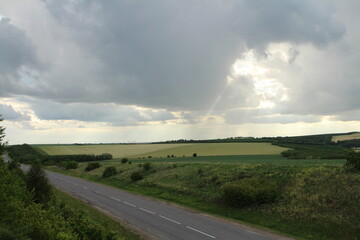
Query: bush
136,176
147,166
194,154
109,172
92,166
68,164
124,160
353,160
249,191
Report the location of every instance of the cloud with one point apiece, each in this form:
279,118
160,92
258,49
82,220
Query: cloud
167,54
128,62
10,114
16,51
109,113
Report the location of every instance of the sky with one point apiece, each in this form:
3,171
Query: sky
88,71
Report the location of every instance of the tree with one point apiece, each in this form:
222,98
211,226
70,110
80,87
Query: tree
2,135
38,183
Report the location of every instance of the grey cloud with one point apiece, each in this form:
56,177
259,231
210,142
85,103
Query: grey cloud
177,54
16,50
111,113
9,114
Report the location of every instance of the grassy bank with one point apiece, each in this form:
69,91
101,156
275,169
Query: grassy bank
97,217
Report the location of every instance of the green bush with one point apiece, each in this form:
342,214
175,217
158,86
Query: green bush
147,166
353,160
136,176
249,191
109,172
124,160
92,166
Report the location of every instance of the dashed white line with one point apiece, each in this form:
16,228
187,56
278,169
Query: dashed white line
116,199
145,210
85,188
169,219
75,184
200,232
97,192
129,204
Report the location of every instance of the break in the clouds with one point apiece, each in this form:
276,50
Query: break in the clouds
132,62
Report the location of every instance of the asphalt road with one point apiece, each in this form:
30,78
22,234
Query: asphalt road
156,219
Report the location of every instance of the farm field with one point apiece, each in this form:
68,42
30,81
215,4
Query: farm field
346,137
163,150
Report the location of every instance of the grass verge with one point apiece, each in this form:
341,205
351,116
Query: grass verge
96,216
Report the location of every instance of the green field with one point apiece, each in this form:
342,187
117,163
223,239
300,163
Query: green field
163,150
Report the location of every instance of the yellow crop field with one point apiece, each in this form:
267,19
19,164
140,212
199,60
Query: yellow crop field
346,137
117,150
163,150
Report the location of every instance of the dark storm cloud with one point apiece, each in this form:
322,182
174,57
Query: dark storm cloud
176,54
16,50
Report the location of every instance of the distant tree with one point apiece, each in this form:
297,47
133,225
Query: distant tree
353,160
124,160
2,135
38,183
195,155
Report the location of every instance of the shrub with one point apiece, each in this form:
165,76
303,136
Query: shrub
68,164
353,160
194,154
109,172
147,166
124,160
92,166
249,191
136,176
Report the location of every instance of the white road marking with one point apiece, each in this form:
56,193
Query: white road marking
97,192
75,184
169,219
129,204
116,199
200,232
146,210
85,188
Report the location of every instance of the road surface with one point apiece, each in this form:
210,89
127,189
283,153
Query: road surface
157,220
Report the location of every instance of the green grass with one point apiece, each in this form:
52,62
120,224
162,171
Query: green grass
97,217
163,150
240,159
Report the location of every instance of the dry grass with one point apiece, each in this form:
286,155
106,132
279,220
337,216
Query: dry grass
346,137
